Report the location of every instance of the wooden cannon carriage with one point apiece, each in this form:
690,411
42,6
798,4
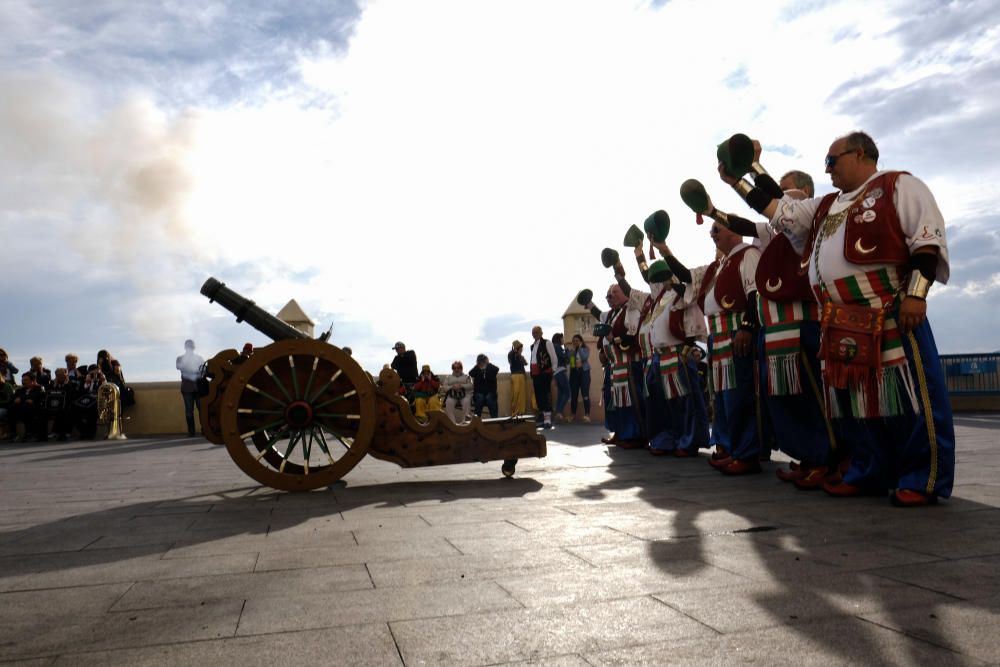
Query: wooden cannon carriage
300,413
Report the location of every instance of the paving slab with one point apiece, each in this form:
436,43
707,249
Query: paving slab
159,551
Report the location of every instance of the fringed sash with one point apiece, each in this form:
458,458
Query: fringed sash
671,361
783,342
620,395
882,392
723,327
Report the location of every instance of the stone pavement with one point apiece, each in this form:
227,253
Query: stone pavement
160,551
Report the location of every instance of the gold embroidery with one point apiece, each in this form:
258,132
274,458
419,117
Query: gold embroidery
727,306
863,250
775,288
925,400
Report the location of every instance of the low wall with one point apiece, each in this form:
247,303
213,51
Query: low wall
159,408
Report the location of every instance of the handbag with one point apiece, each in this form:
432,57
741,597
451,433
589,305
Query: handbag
850,342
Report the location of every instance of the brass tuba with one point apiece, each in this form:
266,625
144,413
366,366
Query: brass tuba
109,410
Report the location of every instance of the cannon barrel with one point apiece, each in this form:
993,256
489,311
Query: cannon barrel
246,310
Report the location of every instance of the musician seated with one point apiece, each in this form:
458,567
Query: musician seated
43,376
6,402
85,405
29,409
59,402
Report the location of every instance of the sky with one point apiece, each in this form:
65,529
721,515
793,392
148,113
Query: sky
443,172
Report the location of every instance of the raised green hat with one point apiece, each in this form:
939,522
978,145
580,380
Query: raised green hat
601,329
584,297
609,257
694,195
633,237
657,226
659,272
736,155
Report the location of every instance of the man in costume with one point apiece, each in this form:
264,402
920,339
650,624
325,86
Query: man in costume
727,294
790,385
872,251
616,340
543,359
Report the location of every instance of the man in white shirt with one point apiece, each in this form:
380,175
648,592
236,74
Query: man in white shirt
189,364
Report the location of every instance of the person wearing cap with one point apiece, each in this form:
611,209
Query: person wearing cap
518,392
405,364
425,394
484,386
872,250
457,393
189,364
726,292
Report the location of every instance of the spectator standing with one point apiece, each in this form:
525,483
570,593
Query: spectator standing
458,393
189,364
484,386
85,405
543,357
74,374
405,363
518,394
59,402
579,377
561,375
425,394
7,369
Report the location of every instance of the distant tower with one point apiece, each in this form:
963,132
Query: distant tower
578,320
293,314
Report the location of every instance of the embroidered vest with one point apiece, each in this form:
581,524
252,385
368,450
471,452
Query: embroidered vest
778,277
706,283
675,324
872,233
729,285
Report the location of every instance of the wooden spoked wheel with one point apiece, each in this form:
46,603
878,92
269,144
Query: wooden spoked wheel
298,415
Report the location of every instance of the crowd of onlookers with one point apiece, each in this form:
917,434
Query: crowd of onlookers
461,395
37,404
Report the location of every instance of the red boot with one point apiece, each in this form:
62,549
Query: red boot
742,467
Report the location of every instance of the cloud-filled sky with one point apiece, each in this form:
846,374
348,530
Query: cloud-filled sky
442,172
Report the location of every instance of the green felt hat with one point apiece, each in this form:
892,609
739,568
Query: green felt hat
658,226
584,297
633,237
736,155
601,329
659,272
609,257
694,195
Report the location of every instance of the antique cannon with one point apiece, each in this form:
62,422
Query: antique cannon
300,413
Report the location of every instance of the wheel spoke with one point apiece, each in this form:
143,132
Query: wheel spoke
263,393
342,397
295,377
329,429
325,387
288,450
338,415
257,411
278,382
321,440
312,374
307,441
261,429
270,442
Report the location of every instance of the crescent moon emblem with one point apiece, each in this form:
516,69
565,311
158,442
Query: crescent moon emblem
732,302
771,288
804,263
863,250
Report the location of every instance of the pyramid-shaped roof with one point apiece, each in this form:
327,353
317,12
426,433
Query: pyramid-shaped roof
575,309
292,312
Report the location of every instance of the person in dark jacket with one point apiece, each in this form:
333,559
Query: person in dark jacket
484,386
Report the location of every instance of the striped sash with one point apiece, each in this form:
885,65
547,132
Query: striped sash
723,327
881,393
671,360
783,342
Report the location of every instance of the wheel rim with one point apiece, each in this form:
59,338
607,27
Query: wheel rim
298,415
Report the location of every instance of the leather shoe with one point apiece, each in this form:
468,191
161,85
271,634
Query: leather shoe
611,440
719,454
684,453
911,498
631,444
719,464
841,489
789,475
741,467
812,479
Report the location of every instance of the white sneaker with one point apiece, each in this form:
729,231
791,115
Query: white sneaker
586,419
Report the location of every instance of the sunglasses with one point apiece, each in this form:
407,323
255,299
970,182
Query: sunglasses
831,160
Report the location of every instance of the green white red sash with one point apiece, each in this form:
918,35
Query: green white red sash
671,361
722,327
783,342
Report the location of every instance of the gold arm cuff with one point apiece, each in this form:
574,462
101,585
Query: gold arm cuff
719,216
757,168
743,187
918,286
643,266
